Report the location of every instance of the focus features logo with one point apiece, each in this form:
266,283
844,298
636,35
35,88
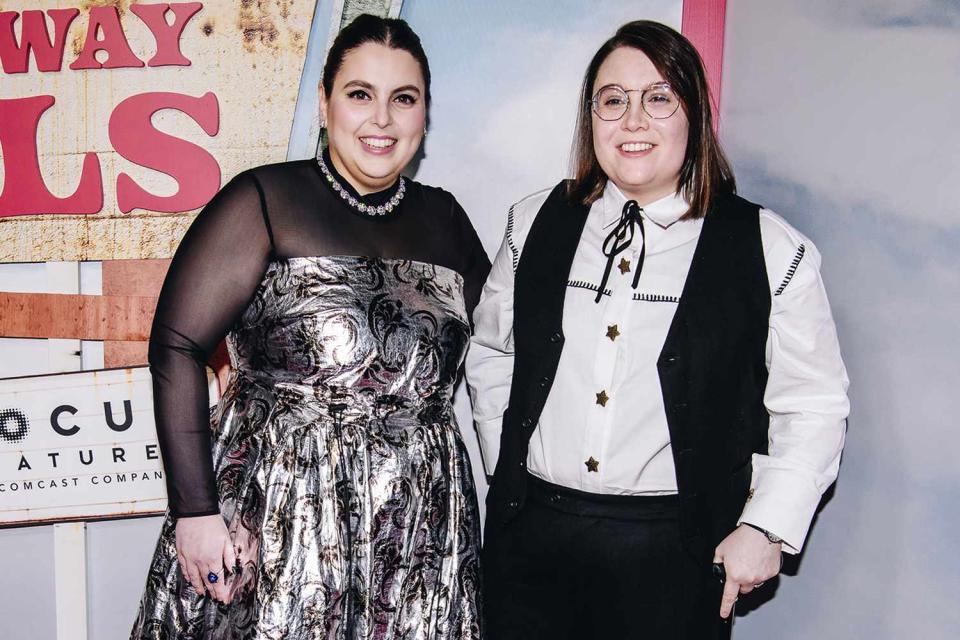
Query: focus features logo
14,425
78,446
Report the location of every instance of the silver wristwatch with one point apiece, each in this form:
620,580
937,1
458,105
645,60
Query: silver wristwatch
772,539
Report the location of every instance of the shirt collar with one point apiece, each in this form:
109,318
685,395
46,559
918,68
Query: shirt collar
664,212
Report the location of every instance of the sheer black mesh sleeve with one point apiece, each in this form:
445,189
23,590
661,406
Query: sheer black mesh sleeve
214,274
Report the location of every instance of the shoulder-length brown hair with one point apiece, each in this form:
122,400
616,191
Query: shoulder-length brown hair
705,171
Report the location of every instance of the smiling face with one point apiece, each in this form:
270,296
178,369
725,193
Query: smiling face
375,115
641,155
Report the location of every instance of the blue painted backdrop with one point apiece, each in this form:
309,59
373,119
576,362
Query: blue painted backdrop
842,117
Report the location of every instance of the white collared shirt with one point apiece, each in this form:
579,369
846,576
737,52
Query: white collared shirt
603,428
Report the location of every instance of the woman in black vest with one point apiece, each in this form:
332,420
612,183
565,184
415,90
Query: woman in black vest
655,373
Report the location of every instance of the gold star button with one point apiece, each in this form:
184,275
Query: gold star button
613,332
602,398
624,265
592,465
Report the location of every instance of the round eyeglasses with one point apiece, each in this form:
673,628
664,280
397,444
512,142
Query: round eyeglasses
658,101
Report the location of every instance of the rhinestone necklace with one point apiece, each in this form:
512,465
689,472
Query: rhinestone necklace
366,209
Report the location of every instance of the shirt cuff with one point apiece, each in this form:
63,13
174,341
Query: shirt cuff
489,432
783,502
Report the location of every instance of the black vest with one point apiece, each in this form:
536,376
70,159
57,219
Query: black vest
712,366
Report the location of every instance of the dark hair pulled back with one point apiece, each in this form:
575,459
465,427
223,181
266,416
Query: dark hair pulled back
390,32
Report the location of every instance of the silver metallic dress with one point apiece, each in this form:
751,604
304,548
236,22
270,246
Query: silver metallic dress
341,472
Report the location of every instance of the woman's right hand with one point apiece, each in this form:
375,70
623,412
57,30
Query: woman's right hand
203,547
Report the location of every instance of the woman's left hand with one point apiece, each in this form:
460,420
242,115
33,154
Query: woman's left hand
748,559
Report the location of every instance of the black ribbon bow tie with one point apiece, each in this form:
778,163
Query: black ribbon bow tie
619,239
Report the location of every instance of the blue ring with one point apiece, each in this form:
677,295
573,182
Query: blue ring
212,577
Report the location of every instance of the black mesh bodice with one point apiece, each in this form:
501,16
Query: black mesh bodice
266,214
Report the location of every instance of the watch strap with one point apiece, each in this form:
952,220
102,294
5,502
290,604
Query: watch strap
771,538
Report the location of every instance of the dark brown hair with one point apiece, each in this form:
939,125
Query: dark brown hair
390,32
705,171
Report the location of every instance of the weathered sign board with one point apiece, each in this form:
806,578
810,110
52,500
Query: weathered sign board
120,119
80,446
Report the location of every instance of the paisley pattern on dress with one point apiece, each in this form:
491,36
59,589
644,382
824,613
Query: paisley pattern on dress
341,471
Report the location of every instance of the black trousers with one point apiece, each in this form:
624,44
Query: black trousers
579,566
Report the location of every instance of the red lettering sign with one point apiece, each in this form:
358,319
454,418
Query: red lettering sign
24,191
104,33
133,136
114,42
131,132
167,35
194,169
34,37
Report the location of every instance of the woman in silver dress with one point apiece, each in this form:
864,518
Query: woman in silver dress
330,494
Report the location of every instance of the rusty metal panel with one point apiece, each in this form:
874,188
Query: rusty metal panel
133,277
83,317
124,353
249,54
